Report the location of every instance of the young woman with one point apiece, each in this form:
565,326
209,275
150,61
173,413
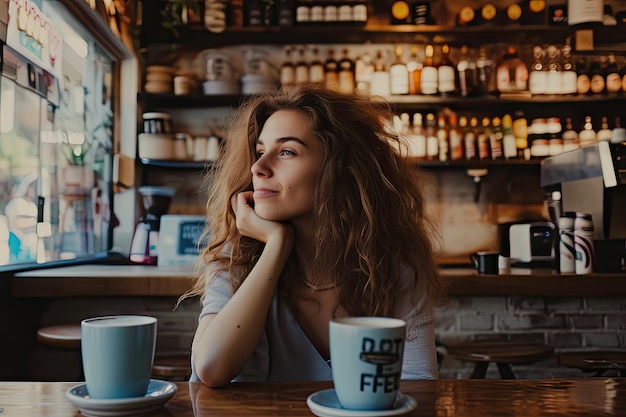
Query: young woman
313,214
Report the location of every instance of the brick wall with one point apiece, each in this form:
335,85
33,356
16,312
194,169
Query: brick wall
567,324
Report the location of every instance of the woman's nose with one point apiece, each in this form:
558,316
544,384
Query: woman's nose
260,167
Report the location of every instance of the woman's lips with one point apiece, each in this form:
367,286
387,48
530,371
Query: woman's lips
263,192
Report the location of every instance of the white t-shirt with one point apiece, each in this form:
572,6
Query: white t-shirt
284,353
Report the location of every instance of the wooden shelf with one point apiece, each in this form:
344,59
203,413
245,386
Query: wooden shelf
193,165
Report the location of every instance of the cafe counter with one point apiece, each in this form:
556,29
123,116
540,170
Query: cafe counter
141,280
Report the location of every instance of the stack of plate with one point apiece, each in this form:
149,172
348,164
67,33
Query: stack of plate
159,79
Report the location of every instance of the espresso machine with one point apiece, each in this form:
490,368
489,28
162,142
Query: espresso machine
145,243
592,180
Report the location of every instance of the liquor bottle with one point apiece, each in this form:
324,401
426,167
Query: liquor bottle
302,67
553,81
469,138
496,138
484,68
253,13
398,74
316,67
455,136
619,133
587,136
442,138
331,77
583,80
613,77
446,73
465,74
604,133
287,69
568,76
418,138
511,73
346,73
596,76
380,77
432,143
538,138
509,148
285,12
414,69
482,139
400,13
570,136
555,137
430,74
520,130
363,72
538,77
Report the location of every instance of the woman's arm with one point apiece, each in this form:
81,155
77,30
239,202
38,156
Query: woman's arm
224,342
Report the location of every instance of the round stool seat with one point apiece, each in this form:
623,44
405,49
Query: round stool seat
64,336
597,361
501,352
172,367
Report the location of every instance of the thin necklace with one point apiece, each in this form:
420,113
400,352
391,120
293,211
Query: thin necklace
318,287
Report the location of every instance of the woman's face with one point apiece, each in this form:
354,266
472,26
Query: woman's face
284,176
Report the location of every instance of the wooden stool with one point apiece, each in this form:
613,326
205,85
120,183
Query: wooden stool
176,367
63,336
503,353
597,361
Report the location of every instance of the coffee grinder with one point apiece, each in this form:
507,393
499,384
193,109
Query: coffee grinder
156,201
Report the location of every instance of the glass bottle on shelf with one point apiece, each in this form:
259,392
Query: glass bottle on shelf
619,133
446,79
555,138
363,71
520,130
570,136
482,139
443,140
287,69
346,73
466,73
509,148
418,138
511,73
538,76
380,76
469,137
604,133
483,72
553,84
455,137
432,143
496,138
398,74
414,69
587,136
583,80
613,77
568,76
316,67
302,67
331,77
597,76
430,75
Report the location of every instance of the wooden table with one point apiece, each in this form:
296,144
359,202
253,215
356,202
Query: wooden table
444,398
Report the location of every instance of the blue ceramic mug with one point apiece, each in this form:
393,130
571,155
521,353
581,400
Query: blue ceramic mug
366,357
118,352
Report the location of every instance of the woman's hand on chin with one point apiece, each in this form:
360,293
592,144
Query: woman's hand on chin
251,225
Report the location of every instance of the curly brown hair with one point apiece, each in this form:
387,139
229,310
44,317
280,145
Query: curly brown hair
369,216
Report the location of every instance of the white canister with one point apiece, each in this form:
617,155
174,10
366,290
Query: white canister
180,147
183,85
583,243
157,123
567,250
200,144
213,148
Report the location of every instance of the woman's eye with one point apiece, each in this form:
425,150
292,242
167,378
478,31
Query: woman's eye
259,154
287,152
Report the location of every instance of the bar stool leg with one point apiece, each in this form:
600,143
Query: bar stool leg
505,371
480,370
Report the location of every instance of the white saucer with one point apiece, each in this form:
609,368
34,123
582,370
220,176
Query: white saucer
159,392
325,404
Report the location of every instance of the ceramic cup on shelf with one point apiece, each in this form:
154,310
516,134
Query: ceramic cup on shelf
486,262
118,353
366,358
